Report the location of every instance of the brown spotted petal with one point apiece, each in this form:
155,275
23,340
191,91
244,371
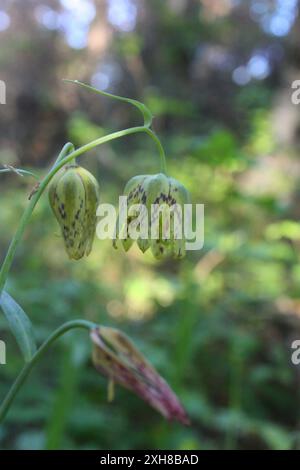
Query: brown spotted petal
74,196
116,357
164,199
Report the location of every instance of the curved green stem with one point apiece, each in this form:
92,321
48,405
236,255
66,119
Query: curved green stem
67,148
146,113
163,162
36,357
63,158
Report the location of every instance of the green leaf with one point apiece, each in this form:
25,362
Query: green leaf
147,115
19,324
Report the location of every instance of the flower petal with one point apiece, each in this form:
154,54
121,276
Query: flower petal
115,356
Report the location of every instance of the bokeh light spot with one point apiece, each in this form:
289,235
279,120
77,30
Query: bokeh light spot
258,67
4,20
122,14
241,75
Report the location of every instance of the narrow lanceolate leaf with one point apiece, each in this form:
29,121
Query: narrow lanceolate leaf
19,324
140,106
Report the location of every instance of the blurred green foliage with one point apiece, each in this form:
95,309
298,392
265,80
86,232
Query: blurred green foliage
217,325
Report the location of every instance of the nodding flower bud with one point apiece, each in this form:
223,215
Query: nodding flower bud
116,357
164,199
74,196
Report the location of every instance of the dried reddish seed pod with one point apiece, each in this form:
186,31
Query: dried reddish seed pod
116,357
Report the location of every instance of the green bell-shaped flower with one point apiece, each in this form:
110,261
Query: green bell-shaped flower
74,197
161,220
